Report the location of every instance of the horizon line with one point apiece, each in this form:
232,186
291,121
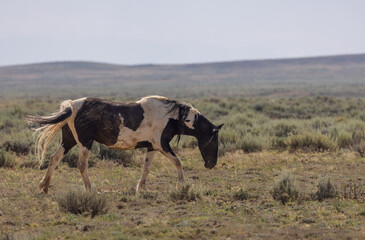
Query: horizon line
182,64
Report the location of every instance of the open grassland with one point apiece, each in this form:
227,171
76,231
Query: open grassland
218,212
312,139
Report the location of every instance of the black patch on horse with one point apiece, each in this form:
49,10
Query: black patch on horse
183,112
100,120
171,129
68,141
144,144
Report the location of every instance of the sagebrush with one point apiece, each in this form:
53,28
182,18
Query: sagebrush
81,202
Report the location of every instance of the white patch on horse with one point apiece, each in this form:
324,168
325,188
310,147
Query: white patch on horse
149,130
121,120
190,119
76,105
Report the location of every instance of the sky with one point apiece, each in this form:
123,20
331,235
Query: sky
171,31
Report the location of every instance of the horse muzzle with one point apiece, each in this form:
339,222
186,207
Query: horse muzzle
210,165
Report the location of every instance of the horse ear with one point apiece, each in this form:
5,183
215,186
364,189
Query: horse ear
216,129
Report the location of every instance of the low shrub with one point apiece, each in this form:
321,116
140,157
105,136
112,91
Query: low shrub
82,202
227,147
30,162
185,193
284,129
279,143
18,147
313,142
7,159
241,195
259,107
360,148
325,190
250,144
285,189
320,123
6,125
349,134
344,139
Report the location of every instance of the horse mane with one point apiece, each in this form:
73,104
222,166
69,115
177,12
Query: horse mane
182,108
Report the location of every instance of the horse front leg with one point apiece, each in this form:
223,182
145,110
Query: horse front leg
176,161
146,169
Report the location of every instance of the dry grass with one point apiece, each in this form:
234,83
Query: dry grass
353,191
217,214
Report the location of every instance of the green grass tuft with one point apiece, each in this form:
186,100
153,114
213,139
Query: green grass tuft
325,190
185,193
285,189
241,195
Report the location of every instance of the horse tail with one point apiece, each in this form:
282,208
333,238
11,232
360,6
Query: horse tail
52,125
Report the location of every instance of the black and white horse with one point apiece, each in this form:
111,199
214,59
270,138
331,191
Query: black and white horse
149,123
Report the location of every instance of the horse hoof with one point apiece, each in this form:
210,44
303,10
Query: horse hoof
43,188
141,187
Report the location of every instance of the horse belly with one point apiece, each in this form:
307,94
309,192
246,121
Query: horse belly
127,139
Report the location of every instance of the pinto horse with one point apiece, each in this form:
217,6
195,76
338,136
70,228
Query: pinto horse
149,123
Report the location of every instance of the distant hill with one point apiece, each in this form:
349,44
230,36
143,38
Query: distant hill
342,75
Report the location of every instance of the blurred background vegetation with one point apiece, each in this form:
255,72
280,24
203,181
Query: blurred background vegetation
309,104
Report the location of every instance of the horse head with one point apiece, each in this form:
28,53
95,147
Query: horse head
207,135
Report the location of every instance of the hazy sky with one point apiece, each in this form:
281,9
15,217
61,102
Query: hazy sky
155,31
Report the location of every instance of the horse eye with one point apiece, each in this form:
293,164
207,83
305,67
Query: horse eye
187,120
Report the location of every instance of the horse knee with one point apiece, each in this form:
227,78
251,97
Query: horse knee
81,165
53,161
84,152
177,163
83,159
55,157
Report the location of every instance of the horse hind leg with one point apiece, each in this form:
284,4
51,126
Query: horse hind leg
67,143
82,166
55,159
